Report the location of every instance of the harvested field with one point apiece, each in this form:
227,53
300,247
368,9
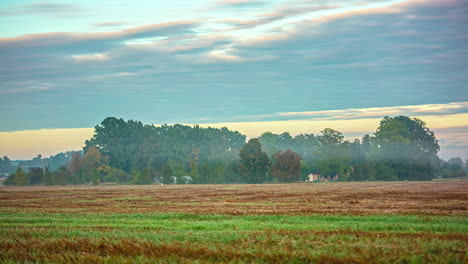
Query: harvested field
387,222
417,198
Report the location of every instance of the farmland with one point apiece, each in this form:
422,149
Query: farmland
365,222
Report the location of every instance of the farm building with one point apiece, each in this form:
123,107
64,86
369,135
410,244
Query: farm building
317,177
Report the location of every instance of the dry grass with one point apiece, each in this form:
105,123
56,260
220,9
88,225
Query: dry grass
418,198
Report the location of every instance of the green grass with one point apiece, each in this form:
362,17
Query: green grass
178,237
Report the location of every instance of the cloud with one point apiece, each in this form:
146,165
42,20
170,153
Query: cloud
43,8
63,38
411,110
370,112
237,3
110,24
26,87
279,13
288,64
90,57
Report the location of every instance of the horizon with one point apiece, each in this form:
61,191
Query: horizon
72,139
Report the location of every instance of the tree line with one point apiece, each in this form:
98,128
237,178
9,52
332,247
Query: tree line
129,152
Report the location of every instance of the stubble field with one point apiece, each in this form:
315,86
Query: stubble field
386,222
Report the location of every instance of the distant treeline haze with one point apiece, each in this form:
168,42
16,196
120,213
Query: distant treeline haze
128,152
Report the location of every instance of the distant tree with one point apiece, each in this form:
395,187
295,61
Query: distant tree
75,168
90,164
61,176
453,168
407,148
194,164
5,162
35,176
48,177
254,162
17,178
167,174
286,166
109,174
329,139
178,169
143,177
455,163
334,157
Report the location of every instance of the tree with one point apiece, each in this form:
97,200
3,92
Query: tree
17,178
48,177
254,162
286,166
167,174
143,177
75,168
453,168
61,176
329,139
333,155
90,164
35,176
407,148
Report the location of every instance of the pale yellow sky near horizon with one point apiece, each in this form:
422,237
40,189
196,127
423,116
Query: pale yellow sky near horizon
27,144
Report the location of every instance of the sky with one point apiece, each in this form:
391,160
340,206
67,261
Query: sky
254,66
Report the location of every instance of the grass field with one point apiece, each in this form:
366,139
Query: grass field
388,222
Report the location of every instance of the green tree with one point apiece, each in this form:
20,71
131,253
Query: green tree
167,174
61,176
254,162
17,178
75,168
35,176
143,177
333,154
48,177
89,165
329,139
407,148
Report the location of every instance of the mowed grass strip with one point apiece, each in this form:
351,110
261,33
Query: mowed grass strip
188,238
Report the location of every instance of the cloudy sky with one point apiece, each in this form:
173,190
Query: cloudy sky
295,65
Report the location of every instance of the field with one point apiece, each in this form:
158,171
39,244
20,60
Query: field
386,222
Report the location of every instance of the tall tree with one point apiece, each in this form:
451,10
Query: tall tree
90,164
167,174
334,157
286,166
48,177
254,162
17,178
75,168
35,176
407,148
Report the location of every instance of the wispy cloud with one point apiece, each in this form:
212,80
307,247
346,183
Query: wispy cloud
371,112
411,110
237,3
62,38
43,8
267,63
90,57
110,24
26,87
